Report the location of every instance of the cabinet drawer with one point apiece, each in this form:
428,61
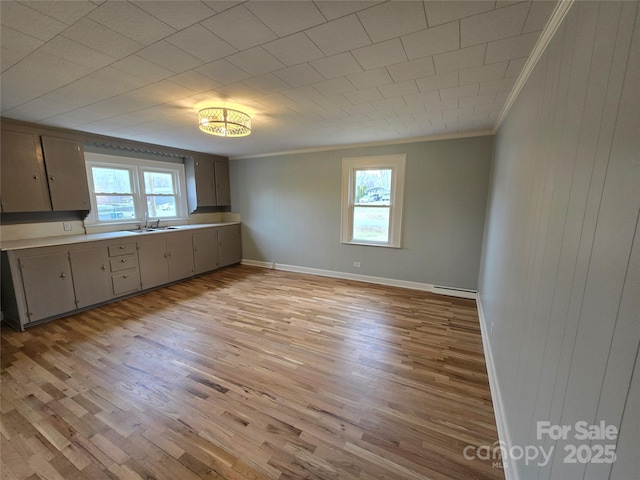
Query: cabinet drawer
123,263
126,282
122,249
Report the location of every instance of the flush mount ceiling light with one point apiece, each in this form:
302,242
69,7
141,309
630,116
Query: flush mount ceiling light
224,122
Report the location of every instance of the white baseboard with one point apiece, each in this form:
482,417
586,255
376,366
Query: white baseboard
426,287
510,467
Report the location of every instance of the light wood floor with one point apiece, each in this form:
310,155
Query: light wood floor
249,373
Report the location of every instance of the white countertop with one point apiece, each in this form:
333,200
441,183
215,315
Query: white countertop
94,237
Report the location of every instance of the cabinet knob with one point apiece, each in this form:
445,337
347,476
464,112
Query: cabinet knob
169,253
63,275
123,260
125,276
52,177
103,268
121,247
36,176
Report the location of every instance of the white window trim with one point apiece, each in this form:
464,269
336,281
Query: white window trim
136,167
349,165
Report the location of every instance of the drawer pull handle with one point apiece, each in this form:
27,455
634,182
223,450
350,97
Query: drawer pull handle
125,276
123,260
121,247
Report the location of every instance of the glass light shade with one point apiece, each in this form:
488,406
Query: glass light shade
224,122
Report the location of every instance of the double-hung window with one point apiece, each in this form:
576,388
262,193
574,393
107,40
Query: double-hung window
372,195
125,189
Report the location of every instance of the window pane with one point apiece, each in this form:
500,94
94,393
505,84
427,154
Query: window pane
158,183
371,224
161,206
111,180
373,187
115,207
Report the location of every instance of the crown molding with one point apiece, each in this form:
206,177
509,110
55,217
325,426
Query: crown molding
555,20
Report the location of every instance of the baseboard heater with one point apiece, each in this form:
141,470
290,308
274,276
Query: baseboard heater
455,292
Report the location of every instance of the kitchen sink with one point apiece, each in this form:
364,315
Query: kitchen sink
153,229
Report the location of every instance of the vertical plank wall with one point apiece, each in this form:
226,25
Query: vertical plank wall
560,274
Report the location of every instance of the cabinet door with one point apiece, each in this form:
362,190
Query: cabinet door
24,181
205,183
180,255
223,190
48,286
66,173
91,276
229,244
152,256
205,250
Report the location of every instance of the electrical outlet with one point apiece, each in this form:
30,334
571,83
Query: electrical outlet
66,226
356,264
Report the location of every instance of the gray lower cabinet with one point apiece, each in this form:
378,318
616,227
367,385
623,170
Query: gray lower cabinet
152,255
180,255
48,285
91,276
229,245
205,250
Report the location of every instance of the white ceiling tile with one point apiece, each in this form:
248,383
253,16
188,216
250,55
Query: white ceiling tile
431,41
62,10
439,12
398,89
412,69
142,68
275,100
285,18
422,98
223,72
463,58
335,86
539,15
238,91
102,39
336,65
478,100
508,48
15,46
75,52
179,15
201,43
29,21
493,25
303,94
410,109
195,81
442,105
222,5
255,60
267,83
497,85
489,108
458,92
370,78
360,109
364,96
59,72
332,9
164,91
389,103
515,67
436,82
294,49
380,54
393,19
299,75
252,33
168,56
339,35
484,73
130,21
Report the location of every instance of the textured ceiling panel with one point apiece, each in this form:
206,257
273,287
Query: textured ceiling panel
311,74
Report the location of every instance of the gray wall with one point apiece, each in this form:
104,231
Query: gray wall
290,208
560,275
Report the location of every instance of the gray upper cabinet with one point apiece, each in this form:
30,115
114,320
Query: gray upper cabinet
24,179
41,173
223,190
207,181
66,174
48,286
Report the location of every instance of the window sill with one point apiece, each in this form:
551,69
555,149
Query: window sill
370,244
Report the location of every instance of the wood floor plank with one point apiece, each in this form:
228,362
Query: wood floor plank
250,373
